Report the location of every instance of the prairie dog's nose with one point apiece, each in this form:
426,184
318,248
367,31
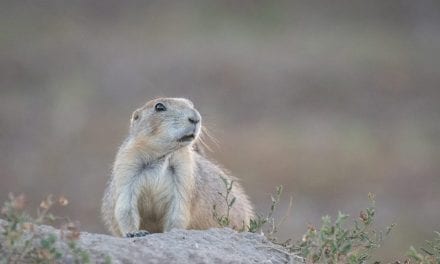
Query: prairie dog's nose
194,119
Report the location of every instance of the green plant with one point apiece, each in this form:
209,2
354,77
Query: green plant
429,255
333,242
223,220
48,252
18,234
70,233
257,224
21,243
79,255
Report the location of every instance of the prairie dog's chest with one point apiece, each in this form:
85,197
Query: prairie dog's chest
156,192
156,177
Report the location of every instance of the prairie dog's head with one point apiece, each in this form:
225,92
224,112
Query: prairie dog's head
166,124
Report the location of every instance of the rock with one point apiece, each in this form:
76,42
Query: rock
177,246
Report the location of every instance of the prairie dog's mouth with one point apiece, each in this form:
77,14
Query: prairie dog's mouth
187,138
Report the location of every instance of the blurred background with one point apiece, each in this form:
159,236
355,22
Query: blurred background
331,99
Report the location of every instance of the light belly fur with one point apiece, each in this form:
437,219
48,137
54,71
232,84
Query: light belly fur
155,198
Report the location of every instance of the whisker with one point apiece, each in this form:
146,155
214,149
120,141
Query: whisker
210,136
204,144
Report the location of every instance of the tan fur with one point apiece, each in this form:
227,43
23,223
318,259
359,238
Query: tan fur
159,183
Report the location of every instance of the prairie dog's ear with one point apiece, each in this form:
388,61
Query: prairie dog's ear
135,116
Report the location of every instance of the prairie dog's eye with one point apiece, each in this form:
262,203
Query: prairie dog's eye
159,107
135,116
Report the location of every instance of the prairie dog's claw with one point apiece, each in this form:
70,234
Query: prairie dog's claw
139,233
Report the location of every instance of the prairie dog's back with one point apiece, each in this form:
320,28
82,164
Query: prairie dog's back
209,185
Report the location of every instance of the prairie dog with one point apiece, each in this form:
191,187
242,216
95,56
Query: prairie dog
160,180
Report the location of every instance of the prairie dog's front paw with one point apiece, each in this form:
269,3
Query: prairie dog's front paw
139,233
